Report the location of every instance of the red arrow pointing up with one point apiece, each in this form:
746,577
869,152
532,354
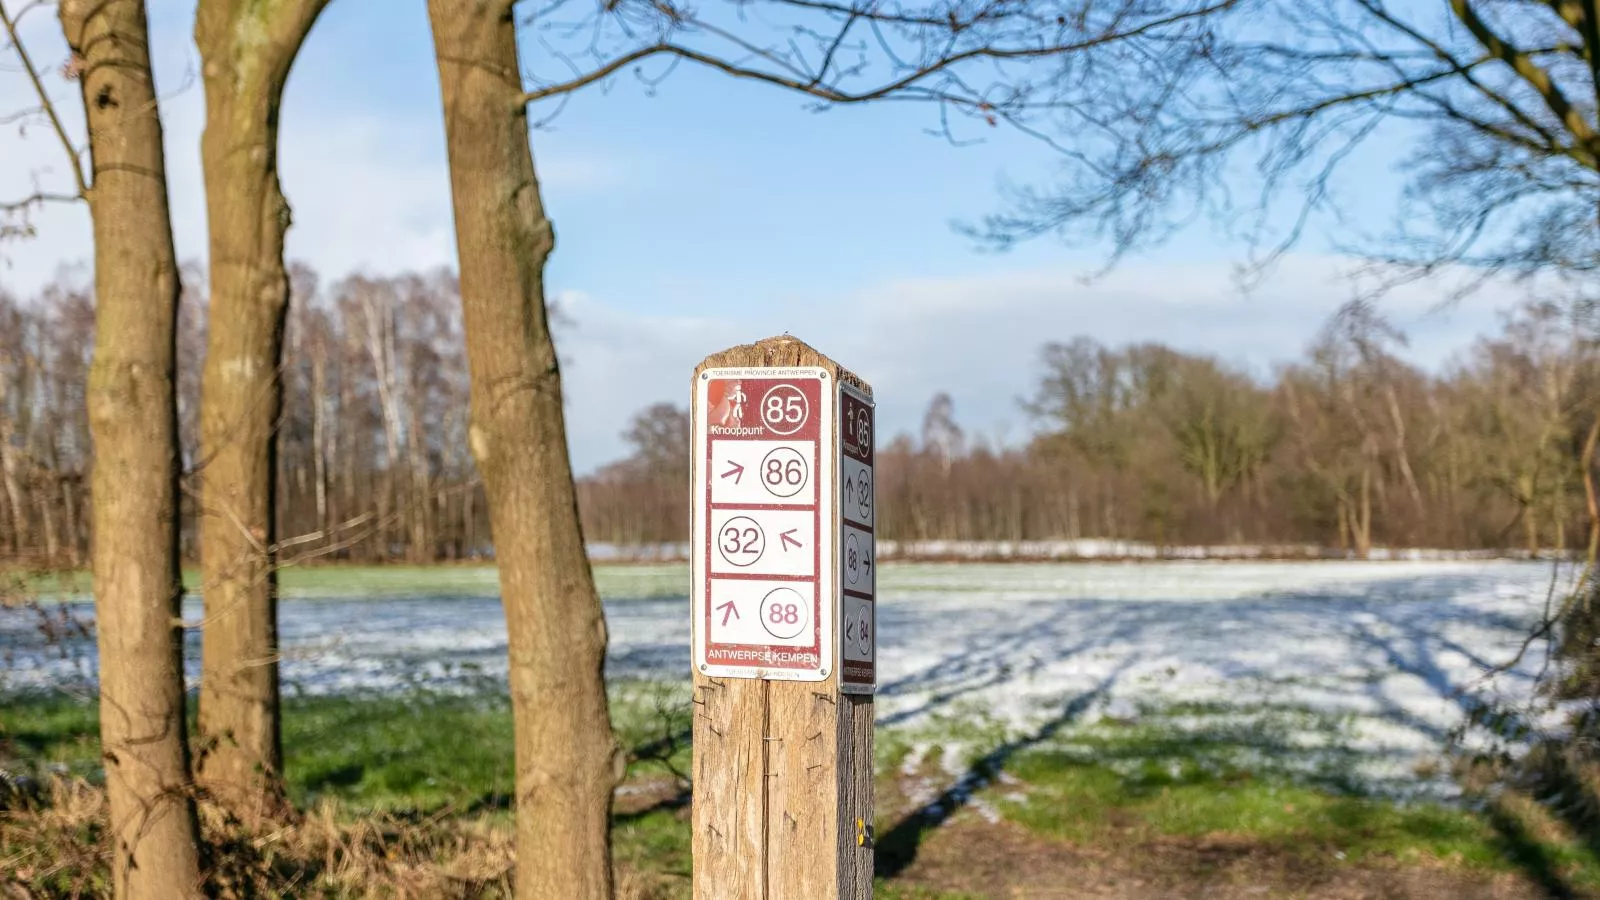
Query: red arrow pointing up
787,538
736,473
728,609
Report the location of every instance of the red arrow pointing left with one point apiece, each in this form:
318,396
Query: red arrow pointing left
728,609
736,473
788,538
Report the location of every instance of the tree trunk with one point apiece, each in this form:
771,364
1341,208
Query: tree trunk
133,414
567,760
10,504
69,508
11,495
1530,531
246,49
378,321
1364,523
47,520
1343,510
319,437
421,540
1591,500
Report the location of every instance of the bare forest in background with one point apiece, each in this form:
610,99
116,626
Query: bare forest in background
1349,446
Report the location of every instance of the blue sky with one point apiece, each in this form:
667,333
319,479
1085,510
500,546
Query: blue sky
717,212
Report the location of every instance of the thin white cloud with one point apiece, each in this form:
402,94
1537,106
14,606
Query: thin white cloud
369,192
978,337
616,362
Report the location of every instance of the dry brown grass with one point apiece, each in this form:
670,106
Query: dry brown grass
55,847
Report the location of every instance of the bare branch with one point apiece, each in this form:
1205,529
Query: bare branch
1536,76
10,23
786,74
35,199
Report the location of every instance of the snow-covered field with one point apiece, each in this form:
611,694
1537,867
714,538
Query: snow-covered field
1362,668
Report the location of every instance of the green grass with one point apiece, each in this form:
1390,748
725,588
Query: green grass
349,581
1182,772
418,751
56,732
657,842
1091,803
1281,776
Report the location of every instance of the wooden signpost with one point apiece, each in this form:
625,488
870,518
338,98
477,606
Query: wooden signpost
785,629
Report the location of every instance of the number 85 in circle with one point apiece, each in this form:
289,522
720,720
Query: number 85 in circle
784,409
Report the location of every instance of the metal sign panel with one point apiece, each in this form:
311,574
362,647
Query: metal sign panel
764,469
858,561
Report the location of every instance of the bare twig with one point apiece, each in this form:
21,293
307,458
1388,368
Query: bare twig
45,100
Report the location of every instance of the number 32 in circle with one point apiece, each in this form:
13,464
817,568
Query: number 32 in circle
784,409
741,541
783,472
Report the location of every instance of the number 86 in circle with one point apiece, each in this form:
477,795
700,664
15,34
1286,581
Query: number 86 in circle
784,472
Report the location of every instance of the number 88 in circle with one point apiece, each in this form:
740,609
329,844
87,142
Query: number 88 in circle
784,613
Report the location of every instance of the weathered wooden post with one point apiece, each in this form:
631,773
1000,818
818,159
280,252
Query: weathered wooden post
784,625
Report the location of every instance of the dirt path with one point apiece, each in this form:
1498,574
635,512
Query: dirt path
1002,860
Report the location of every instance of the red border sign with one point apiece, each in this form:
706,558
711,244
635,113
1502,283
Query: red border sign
763,523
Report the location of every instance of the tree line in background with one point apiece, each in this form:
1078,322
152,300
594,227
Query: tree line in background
372,456
1348,446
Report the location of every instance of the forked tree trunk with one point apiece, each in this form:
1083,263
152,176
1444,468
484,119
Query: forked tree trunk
133,416
246,48
567,760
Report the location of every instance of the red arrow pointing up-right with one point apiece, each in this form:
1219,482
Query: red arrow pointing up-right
736,473
727,610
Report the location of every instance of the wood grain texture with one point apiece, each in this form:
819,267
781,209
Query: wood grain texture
782,769
729,767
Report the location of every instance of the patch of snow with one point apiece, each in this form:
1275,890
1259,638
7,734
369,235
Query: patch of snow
1373,663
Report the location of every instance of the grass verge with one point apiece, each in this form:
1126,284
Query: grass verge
1186,774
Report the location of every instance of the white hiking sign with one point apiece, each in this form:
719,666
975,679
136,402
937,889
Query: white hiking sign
764,536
